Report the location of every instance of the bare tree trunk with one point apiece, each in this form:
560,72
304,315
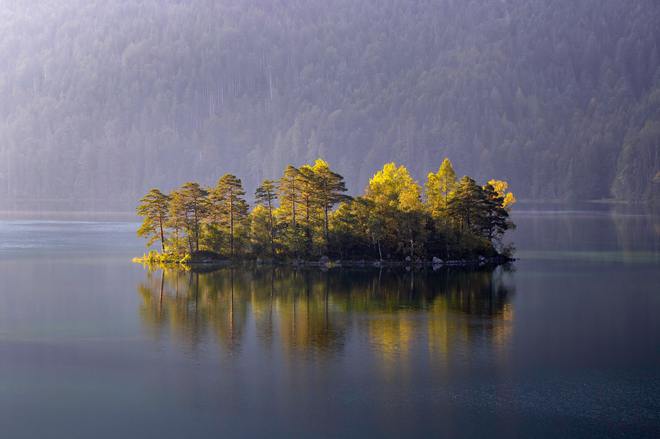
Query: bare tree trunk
196,230
231,224
162,235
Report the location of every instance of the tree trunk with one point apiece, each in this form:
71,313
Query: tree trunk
231,224
191,244
162,235
325,226
293,204
308,228
196,230
270,220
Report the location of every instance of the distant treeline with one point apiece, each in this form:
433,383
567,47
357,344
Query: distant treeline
102,100
306,214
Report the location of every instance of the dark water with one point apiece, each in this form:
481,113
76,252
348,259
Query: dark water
566,344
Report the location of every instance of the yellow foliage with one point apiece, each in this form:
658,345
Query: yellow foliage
501,187
321,165
439,187
394,187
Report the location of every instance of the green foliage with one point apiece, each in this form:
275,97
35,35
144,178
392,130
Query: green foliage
189,208
229,211
289,195
464,205
265,196
353,232
329,191
154,208
477,211
261,231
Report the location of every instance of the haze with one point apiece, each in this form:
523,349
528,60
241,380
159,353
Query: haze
101,100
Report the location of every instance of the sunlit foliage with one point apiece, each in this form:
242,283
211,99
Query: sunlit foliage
395,219
154,208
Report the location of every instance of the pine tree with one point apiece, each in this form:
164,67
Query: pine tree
330,191
308,185
465,204
261,235
351,229
289,194
189,208
265,196
154,207
494,218
229,208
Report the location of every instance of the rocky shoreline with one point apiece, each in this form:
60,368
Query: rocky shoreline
419,263
207,260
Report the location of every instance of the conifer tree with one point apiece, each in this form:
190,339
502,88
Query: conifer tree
308,189
265,195
330,191
189,207
154,208
495,217
261,235
229,208
465,204
289,194
350,225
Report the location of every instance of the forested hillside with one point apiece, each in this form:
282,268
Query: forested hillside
101,100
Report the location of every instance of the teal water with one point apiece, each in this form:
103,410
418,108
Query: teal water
566,343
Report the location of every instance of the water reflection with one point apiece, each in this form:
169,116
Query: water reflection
315,313
592,232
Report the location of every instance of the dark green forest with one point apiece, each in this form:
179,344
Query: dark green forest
102,100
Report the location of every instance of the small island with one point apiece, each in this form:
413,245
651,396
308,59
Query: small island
305,218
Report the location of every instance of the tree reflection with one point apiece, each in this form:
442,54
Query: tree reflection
310,312
637,231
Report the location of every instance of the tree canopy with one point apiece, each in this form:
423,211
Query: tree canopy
307,215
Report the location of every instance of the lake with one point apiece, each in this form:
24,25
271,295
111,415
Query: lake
564,343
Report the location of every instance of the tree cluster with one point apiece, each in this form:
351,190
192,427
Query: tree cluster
307,214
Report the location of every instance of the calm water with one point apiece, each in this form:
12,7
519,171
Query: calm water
567,343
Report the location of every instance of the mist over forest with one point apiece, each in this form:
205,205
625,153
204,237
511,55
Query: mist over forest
102,100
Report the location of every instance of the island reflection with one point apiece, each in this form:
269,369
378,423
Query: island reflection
312,312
